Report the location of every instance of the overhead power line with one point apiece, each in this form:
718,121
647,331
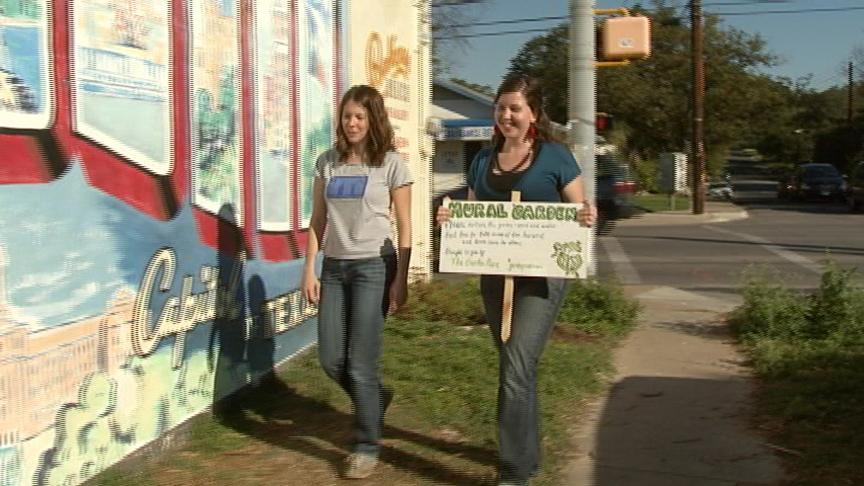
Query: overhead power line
800,10
565,17
455,3
743,4
756,12
488,34
511,21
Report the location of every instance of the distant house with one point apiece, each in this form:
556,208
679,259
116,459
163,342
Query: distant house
461,124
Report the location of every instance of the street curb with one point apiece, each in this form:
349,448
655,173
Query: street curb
680,218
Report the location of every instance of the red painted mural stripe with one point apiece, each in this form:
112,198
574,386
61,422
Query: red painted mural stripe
247,96
105,170
22,161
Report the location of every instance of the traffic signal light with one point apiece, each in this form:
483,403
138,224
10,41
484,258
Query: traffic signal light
603,122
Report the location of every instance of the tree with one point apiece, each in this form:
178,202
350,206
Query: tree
840,141
541,58
652,97
448,22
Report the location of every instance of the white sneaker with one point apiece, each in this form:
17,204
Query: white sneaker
360,465
512,483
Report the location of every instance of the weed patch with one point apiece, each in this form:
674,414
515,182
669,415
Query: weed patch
809,353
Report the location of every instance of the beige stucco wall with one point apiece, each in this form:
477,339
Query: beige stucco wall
389,49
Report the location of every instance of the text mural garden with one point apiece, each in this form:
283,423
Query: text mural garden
513,238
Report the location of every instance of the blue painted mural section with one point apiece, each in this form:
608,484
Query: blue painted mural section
70,250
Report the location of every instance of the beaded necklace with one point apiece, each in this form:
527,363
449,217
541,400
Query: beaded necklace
497,165
506,180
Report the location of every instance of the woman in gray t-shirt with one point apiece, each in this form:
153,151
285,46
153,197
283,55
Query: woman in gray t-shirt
364,276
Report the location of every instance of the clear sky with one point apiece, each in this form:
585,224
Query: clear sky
817,43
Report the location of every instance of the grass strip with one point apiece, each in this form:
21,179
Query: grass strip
440,360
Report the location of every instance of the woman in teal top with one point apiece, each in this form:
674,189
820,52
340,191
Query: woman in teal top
524,158
552,168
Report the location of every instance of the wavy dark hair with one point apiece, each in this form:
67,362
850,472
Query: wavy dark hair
379,139
533,93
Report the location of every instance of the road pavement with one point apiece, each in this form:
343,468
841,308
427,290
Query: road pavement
717,251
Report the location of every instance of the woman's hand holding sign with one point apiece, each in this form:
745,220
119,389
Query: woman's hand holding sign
587,214
443,214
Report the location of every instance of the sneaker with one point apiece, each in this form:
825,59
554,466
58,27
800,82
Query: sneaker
512,482
360,466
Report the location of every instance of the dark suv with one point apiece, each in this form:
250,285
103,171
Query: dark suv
813,181
855,188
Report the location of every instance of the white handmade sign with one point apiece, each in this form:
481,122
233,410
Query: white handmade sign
514,238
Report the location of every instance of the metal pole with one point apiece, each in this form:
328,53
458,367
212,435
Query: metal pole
849,111
697,149
582,98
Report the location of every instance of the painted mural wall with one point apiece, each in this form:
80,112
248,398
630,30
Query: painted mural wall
155,175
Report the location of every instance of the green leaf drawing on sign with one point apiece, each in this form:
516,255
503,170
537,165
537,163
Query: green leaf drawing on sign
568,256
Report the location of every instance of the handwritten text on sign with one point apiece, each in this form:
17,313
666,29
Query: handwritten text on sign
507,238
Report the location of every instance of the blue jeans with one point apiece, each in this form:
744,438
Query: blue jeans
354,301
536,303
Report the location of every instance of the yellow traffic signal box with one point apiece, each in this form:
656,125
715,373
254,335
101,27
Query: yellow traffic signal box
625,38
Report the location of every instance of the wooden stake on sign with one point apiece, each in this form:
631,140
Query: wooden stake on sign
507,303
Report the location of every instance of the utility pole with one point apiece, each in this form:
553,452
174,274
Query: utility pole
697,146
582,89
849,110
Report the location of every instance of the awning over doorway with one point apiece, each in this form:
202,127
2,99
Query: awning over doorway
466,129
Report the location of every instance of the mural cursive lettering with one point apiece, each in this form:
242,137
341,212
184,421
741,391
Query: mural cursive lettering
396,62
180,315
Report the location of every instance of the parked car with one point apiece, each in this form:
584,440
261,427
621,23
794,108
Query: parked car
855,188
813,181
615,186
719,190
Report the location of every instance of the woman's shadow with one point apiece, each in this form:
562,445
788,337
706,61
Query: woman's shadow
269,409
276,413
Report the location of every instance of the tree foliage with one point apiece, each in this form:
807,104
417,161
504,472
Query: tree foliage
743,106
545,57
447,24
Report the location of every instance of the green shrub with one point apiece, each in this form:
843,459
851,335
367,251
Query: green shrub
598,308
836,310
809,354
646,172
770,311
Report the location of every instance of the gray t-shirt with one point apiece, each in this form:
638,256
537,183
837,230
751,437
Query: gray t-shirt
358,204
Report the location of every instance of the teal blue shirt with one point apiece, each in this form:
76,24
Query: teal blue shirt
552,169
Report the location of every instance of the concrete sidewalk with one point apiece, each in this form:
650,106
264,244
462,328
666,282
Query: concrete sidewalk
679,409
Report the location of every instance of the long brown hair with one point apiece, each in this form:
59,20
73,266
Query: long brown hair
379,139
533,93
